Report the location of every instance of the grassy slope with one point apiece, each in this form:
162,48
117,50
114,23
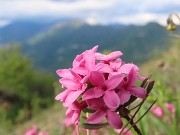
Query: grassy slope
165,68
49,120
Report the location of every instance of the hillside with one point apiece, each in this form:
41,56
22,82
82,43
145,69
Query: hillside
167,67
20,31
57,48
23,91
164,68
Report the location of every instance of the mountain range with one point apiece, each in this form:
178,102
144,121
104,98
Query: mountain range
54,45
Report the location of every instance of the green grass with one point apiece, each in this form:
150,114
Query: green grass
49,120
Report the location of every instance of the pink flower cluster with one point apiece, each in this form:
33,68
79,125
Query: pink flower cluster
159,112
99,82
34,131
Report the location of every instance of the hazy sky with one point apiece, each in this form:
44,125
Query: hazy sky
92,11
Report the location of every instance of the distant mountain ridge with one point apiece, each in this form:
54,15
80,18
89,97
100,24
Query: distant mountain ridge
21,30
54,45
57,47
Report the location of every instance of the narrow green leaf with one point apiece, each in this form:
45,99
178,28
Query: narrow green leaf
94,126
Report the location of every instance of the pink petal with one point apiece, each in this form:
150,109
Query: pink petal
116,64
76,77
85,79
93,93
98,66
108,57
126,68
111,99
141,78
69,74
132,78
70,84
80,70
114,55
62,96
94,49
114,81
96,117
69,112
72,96
89,59
104,68
114,120
96,104
75,105
124,96
64,73
96,78
138,92
75,117
78,60
99,56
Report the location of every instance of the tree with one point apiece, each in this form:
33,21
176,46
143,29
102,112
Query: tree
21,87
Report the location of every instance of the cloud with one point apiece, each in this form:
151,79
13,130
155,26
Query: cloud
45,7
93,11
4,22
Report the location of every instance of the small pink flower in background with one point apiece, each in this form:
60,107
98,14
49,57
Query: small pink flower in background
119,130
68,123
171,108
34,131
99,82
159,112
43,133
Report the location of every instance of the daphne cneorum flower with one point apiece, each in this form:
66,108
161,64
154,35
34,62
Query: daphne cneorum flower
101,83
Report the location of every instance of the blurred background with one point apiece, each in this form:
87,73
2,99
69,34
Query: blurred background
37,37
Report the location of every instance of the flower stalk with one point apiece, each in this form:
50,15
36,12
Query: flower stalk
138,131
87,130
